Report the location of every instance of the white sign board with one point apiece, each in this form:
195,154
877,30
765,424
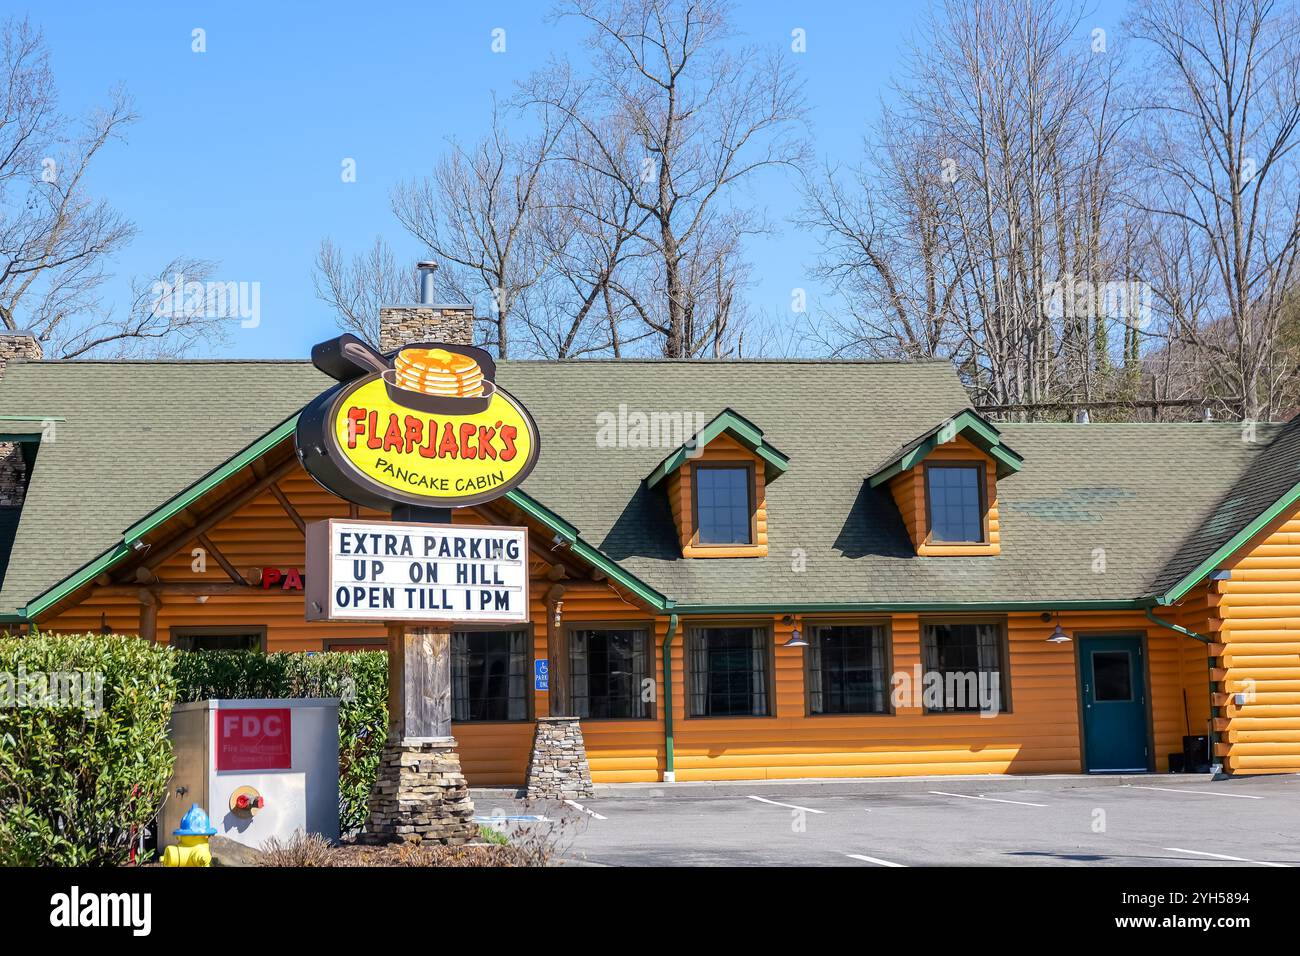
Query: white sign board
396,571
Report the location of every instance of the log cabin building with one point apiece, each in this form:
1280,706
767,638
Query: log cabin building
739,569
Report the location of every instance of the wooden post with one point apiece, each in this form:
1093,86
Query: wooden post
557,652
148,616
419,661
419,681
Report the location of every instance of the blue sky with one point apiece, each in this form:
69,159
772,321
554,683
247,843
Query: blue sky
238,150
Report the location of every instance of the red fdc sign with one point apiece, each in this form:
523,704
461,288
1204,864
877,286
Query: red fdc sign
259,738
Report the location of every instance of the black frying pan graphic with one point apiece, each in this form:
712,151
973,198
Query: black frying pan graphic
352,357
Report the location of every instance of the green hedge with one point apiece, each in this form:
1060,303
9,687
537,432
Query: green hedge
359,679
80,776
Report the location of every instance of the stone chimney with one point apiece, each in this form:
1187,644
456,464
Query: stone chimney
426,320
18,345
13,467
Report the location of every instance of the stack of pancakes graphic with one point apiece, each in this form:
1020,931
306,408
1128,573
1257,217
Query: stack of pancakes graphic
438,372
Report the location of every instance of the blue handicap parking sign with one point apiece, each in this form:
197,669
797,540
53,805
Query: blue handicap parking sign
541,674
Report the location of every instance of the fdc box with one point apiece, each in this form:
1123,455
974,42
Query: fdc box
261,768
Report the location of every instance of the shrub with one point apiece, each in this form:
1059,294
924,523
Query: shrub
360,680
80,778
301,849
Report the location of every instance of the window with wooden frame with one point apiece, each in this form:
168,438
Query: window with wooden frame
847,670
490,674
609,666
968,661
235,637
955,502
722,495
728,671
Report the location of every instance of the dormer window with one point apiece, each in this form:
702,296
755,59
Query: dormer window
955,503
944,483
716,486
724,503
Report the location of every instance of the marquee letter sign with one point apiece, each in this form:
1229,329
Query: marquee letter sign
426,425
395,571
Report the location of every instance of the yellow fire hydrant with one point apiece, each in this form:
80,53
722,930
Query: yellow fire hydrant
193,834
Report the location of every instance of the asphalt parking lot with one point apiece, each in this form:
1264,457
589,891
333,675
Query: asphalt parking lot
1155,820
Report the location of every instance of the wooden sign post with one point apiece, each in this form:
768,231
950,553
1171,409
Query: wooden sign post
416,432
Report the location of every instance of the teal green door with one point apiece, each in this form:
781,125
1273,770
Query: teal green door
1113,686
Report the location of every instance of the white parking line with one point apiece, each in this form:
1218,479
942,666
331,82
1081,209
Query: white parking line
1204,793
790,806
872,859
967,796
1220,856
579,806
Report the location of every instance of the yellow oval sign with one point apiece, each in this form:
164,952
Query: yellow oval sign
442,460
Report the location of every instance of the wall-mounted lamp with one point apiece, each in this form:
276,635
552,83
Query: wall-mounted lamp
796,635
1058,635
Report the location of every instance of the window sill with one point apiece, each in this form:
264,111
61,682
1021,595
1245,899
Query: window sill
731,717
957,550
725,551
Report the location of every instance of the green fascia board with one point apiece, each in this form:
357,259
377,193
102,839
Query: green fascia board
32,438
593,556
741,429
169,510
1233,545
213,478
242,459
922,607
76,580
983,435
36,419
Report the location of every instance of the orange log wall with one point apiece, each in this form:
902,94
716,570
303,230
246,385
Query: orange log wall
1039,735
1258,611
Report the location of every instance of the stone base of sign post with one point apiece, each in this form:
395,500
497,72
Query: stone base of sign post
558,768
420,795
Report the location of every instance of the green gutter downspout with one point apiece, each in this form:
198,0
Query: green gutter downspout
669,774
1214,711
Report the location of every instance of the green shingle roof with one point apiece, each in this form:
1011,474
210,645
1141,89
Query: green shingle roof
138,433
1267,481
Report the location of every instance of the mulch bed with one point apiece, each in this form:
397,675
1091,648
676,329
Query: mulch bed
426,854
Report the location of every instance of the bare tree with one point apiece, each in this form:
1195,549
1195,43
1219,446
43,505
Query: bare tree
55,239
1222,104
356,288
587,235
477,214
704,115
983,224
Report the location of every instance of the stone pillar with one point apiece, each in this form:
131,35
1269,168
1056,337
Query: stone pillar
558,769
421,793
13,465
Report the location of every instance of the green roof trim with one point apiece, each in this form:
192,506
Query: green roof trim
739,428
213,478
1232,546
969,423
593,556
168,510
925,606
